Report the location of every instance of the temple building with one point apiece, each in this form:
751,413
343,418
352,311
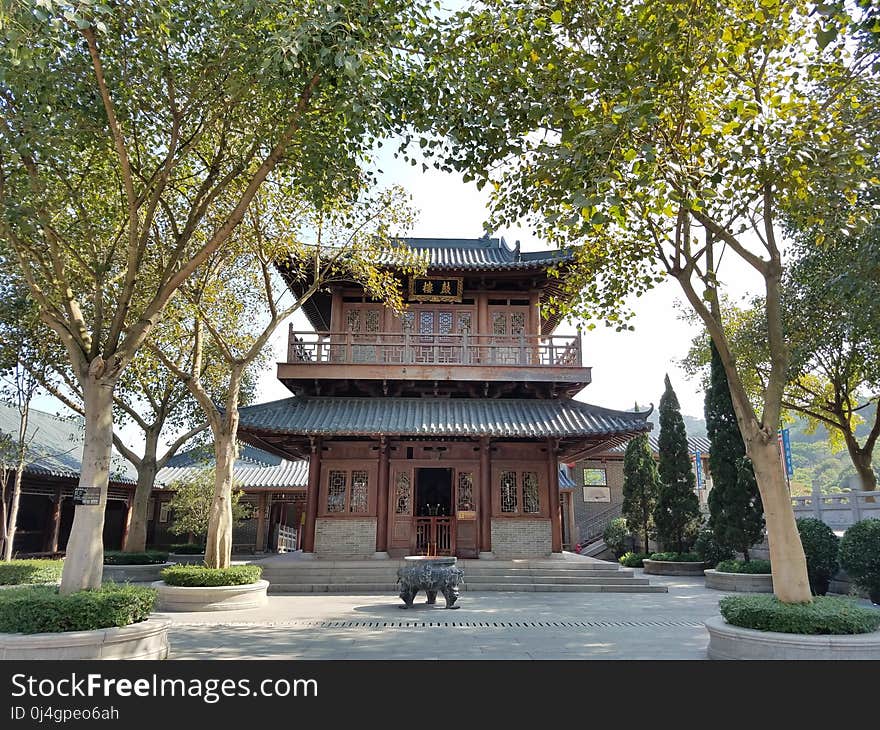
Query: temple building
439,431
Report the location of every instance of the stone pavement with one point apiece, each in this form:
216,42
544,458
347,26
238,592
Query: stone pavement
487,626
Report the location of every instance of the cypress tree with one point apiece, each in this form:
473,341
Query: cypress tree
640,482
678,508
736,514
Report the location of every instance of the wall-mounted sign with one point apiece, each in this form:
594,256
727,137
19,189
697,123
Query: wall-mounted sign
597,494
435,289
466,514
87,496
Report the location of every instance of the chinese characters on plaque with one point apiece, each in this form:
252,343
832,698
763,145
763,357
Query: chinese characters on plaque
435,289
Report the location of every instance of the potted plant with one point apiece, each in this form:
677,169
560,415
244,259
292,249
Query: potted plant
740,576
860,556
821,547
197,588
673,563
143,566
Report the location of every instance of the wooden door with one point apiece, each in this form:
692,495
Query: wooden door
465,490
400,509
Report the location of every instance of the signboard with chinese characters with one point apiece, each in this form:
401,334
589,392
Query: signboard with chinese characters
87,496
597,494
466,514
435,289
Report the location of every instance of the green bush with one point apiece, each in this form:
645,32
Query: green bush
677,557
633,560
615,536
709,549
188,548
821,547
199,576
860,556
41,609
150,557
752,567
18,572
825,615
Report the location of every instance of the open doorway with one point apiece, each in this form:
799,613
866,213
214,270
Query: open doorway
433,492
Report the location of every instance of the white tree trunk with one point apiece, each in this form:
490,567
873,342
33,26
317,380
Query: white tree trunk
84,561
218,551
11,524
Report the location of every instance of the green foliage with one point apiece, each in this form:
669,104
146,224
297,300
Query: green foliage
677,557
40,609
200,576
677,511
633,560
750,567
149,557
191,505
18,572
615,535
860,556
821,547
824,615
736,513
187,548
709,550
640,485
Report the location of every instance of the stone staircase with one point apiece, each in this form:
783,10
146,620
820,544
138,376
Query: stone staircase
572,573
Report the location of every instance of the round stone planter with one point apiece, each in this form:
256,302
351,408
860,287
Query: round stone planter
186,558
733,642
669,567
739,582
134,573
145,640
211,598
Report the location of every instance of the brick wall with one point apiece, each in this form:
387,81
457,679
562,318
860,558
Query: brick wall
520,538
583,511
345,537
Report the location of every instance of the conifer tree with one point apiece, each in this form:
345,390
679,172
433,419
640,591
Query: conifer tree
640,484
736,513
678,508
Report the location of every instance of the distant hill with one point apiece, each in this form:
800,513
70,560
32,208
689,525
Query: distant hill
693,426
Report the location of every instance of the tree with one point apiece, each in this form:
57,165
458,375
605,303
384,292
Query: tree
736,515
658,139
191,505
640,484
235,305
677,510
133,140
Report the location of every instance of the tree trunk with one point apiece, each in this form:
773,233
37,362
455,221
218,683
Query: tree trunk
218,551
84,562
864,468
136,540
787,561
12,518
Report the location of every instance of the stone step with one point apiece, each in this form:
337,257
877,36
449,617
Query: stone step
610,580
356,588
347,579
324,565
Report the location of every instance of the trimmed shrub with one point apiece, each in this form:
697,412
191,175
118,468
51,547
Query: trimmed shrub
615,536
19,572
677,557
41,609
188,548
825,615
821,547
198,576
752,567
709,549
860,556
633,560
150,557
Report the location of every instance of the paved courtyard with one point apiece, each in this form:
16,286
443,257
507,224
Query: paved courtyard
486,626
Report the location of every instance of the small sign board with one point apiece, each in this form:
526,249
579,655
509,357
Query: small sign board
597,494
87,496
466,514
435,289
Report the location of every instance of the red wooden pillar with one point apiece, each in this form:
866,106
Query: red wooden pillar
127,524
52,546
382,499
312,496
485,497
553,487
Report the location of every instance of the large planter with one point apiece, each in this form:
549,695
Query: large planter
733,642
739,582
186,558
669,567
211,598
134,573
144,640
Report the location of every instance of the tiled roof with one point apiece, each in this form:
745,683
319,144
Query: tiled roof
695,443
55,444
254,469
523,418
481,254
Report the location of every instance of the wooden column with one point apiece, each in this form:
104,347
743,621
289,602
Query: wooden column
485,497
553,487
127,525
382,498
312,496
55,532
262,506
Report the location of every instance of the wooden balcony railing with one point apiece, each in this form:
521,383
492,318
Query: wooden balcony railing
394,348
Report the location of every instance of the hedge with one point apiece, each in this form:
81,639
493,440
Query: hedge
188,548
825,615
19,572
198,576
633,560
677,557
752,567
860,556
42,609
150,557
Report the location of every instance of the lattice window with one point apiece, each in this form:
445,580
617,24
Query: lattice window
336,491
499,323
465,496
444,323
517,323
508,491
359,489
531,501
409,321
402,494
426,323
464,323
371,321
353,320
